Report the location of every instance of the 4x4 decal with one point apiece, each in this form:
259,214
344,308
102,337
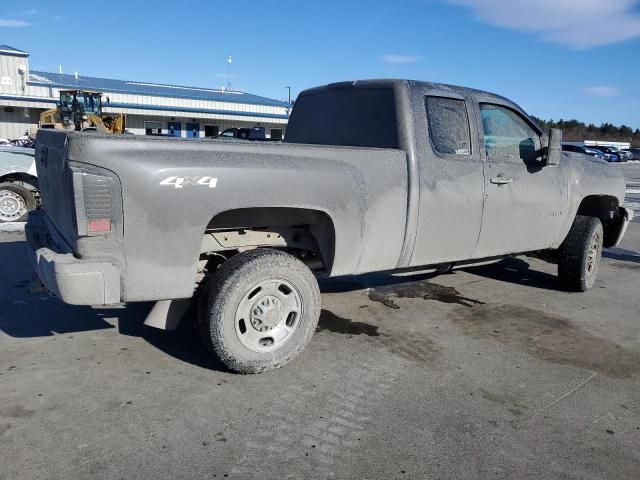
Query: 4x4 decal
180,182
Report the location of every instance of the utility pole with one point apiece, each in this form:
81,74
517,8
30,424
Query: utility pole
289,88
229,87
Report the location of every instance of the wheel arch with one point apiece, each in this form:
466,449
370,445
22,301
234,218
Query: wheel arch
319,224
607,209
21,178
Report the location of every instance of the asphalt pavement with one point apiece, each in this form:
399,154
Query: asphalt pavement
490,372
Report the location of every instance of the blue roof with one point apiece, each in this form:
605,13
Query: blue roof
106,85
12,51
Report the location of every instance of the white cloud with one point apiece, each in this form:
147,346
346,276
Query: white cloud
601,91
11,22
400,59
579,24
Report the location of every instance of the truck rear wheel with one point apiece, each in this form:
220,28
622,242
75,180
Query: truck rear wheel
580,254
15,202
259,310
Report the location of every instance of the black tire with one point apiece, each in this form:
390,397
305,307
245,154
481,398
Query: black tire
16,202
231,288
580,253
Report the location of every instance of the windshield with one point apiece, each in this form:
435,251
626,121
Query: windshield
66,102
88,103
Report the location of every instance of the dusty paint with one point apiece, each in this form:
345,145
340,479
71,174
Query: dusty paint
399,206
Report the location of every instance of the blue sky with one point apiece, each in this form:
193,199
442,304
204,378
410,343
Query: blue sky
556,58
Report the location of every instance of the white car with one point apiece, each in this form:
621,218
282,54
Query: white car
18,183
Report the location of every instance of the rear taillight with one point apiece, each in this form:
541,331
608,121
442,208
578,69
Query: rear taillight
97,203
97,200
98,227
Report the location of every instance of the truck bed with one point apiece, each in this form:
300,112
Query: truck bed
363,191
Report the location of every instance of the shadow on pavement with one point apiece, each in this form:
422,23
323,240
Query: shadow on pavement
184,343
509,269
24,314
518,271
622,254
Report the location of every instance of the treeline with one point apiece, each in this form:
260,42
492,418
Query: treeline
575,131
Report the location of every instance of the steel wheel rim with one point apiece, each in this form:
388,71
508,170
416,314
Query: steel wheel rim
592,253
12,206
269,315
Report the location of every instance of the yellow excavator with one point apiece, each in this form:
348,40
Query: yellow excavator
82,110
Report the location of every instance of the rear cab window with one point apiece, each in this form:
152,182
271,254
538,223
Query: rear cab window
354,117
448,123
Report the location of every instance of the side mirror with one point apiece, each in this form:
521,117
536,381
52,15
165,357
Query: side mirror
554,150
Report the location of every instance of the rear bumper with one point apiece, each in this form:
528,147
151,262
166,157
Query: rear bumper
74,281
627,216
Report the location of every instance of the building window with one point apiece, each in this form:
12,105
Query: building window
276,134
153,128
211,131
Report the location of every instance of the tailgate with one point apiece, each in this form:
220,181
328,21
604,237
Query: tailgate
55,180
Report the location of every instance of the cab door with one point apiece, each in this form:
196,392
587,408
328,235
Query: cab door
524,198
450,176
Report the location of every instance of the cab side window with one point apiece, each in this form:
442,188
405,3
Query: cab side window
507,134
448,126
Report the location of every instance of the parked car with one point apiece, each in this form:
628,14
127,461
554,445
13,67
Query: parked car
610,154
376,175
570,147
595,153
624,156
635,153
18,183
255,133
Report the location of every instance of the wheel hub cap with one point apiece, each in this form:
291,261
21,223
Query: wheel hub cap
12,205
268,315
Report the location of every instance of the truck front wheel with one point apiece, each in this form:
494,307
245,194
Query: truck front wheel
258,310
580,253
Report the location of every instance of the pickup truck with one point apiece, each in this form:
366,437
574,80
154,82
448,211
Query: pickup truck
376,175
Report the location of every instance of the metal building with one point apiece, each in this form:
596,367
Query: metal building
150,108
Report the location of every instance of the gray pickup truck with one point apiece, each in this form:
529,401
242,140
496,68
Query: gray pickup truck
378,175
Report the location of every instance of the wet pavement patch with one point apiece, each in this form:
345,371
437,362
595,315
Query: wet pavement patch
408,345
421,289
333,323
548,337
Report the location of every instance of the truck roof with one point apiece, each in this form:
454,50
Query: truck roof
391,82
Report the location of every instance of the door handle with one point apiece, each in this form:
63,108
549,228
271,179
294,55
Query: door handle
500,180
